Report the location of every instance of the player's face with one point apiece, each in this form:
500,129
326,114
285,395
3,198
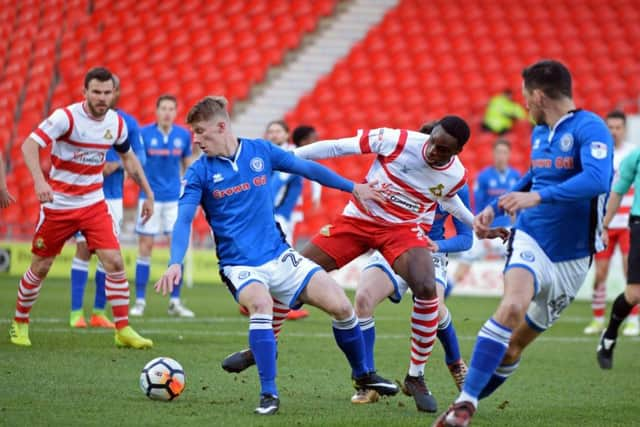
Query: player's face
208,135
99,97
166,112
276,134
617,128
501,156
441,148
533,103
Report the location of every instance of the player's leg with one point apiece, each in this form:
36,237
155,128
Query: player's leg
599,297
146,233
624,303
416,267
632,325
79,274
323,292
376,283
52,231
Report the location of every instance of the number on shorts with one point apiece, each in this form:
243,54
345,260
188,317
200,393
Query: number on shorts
289,255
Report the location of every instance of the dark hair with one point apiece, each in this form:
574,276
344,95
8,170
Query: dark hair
166,97
502,141
279,122
301,133
457,128
551,77
617,114
207,108
98,73
428,127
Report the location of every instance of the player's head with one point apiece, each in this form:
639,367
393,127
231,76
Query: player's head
617,124
427,127
447,138
210,123
304,135
501,153
116,91
543,84
98,91
166,110
277,132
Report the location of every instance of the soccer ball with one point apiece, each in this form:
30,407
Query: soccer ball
162,379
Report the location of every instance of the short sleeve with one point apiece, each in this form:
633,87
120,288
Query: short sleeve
123,131
52,128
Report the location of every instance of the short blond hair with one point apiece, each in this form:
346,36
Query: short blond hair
207,108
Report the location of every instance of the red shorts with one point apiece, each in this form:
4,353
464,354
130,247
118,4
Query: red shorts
349,237
617,236
55,227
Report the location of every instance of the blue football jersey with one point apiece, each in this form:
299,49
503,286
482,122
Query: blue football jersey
571,169
113,183
164,159
491,184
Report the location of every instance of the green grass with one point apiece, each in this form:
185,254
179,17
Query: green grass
80,378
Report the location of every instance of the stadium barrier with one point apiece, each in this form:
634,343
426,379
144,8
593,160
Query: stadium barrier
485,278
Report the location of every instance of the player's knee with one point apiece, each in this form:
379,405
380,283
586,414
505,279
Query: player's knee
425,289
260,306
512,311
41,267
632,294
112,262
364,304
341,310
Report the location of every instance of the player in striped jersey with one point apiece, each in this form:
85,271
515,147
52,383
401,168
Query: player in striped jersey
73,200
618,235
112,187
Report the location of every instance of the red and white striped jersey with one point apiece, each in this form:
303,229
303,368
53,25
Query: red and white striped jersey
79,147
621,218
411,187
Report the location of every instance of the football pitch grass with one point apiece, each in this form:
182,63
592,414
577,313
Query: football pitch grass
78,377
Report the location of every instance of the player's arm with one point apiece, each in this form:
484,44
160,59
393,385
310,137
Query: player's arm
382,141
291,196
287,162
190,198
627,173
5,197
463,238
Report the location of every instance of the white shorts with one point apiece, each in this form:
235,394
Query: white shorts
284,277
556,283
162,221
400,286
482,248
116,211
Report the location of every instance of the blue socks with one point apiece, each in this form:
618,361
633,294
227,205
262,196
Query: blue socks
262,343
143,268
368,328
349,338
101,297
79,274
449,339
488,352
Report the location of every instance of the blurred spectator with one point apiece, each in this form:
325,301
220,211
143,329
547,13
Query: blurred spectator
501,113
5,197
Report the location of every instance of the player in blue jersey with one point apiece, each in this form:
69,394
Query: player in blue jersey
112,187
231,181
561,202
168,150
491,183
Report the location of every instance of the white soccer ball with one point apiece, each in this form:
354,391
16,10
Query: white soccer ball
162,379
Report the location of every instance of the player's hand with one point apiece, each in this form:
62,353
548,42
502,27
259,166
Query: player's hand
5,198
431,245
44,192
605,237
367,191
498,233
518,200
482,222
147,210
169,279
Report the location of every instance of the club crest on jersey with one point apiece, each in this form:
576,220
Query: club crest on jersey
527,256
566,142
598,150
437,190
257,164
536,144
177,143
107,135
154,142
